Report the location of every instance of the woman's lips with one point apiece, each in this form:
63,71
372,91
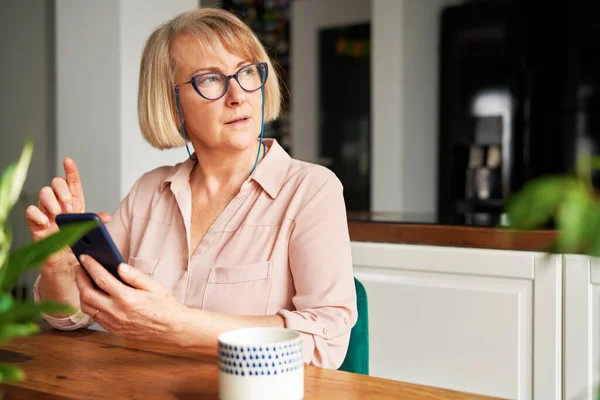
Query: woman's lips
239,121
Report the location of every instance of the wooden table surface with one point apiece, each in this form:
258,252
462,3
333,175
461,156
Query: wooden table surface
89,364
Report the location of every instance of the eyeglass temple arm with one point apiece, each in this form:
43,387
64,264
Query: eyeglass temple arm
183,83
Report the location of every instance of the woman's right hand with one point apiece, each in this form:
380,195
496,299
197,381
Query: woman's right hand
64,195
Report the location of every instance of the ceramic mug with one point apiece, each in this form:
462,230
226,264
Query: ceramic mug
261,363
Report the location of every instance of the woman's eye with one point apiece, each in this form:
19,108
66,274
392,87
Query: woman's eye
208,79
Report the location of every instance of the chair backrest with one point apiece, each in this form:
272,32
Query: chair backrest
357,358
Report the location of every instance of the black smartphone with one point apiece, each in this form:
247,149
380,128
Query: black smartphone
96,243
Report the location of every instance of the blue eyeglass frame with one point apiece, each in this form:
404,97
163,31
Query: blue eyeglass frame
227,78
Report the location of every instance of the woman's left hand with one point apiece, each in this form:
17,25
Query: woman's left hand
145,311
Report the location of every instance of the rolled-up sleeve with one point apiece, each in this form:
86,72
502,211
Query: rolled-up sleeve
70,323
118,228
320,260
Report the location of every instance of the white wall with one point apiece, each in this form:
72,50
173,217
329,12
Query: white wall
404,62
88,96
26,101
26,86
137,20
307,17
98,53
387,110
405,38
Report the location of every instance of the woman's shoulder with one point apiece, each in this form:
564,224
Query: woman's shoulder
156,179
310,189
307,173
304,179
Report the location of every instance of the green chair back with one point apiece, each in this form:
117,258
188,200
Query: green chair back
357,358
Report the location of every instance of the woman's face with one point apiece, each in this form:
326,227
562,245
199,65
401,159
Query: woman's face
231,123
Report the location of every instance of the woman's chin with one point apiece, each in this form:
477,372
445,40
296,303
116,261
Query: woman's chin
241,139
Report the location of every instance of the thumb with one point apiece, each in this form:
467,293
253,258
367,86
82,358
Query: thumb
105,217
138,279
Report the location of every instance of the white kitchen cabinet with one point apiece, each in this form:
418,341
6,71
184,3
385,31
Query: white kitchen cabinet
474,320
581,327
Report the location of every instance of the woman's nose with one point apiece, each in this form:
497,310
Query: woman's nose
235,94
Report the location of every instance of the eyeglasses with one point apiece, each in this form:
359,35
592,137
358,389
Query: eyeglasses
214,85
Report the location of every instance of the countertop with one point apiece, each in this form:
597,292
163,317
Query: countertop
425,229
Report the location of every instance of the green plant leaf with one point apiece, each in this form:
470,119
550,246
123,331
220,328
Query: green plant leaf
13,179
49,307
576,218
5,189
4,249
11,331
594,248
537,202
6,302
27,311
10,373
34,254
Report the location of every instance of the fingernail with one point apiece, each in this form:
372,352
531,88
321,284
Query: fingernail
125,268
83,259
69,208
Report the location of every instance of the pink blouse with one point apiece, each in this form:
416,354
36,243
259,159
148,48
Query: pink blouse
281,246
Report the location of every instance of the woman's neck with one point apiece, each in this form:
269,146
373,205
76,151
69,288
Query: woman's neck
218,171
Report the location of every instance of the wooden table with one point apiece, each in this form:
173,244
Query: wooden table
89,364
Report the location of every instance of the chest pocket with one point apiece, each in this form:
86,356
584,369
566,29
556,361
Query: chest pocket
240,289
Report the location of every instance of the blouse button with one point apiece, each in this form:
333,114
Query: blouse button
326,331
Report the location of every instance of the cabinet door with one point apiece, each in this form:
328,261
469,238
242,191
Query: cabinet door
581,367
463,319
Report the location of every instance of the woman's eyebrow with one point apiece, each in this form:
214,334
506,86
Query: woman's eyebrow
215,68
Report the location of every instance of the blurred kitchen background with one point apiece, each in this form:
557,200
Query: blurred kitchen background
429,111
434,111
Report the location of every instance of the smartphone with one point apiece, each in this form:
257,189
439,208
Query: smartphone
96,243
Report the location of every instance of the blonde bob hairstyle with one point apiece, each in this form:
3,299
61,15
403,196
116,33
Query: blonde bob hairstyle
216,30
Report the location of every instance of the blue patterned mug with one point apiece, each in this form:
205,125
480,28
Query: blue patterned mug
261,363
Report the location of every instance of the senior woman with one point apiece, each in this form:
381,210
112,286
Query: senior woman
238,235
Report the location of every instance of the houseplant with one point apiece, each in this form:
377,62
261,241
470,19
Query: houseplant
571,202
17,317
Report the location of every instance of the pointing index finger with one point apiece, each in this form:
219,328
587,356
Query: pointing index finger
72,177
